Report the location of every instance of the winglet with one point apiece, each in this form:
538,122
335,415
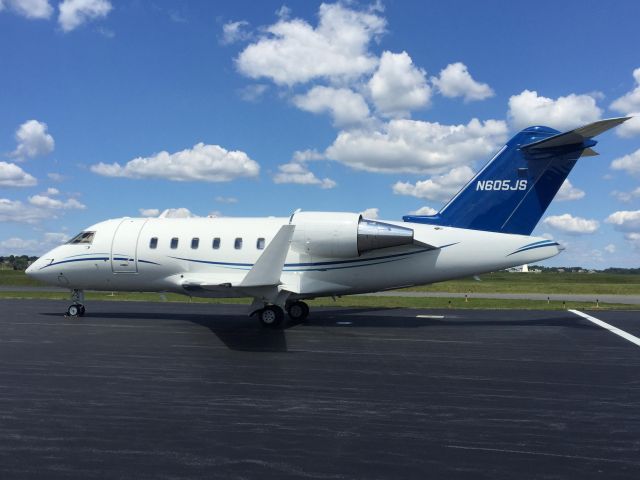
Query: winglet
577,136
268,268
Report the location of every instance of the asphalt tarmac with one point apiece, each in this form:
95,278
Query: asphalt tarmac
173,391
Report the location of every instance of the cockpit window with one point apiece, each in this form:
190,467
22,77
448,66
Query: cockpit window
86,238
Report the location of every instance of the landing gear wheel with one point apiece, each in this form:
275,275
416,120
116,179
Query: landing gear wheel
298,311
82,310
75,310
271,316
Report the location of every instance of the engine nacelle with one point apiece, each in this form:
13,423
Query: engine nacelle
344,235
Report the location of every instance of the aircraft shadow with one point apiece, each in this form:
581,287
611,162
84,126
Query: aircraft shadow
241,333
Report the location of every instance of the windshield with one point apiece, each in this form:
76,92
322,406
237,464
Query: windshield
85,238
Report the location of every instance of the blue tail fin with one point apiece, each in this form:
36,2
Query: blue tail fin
511,193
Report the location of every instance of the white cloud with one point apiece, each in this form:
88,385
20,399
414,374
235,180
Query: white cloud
629,163
32,9
625,220
370,213
397,86
634,239
221,199
417,147
37,209
252,93
611,248
44,201
571,225
630,101
441,187
235,32
11,175
33,140
56,177
296,172
456,81
20,246
424,211
292,51
345,106
178,213
204,163
73,13
52,191
149,212
569,192
631,127
527,109
626,197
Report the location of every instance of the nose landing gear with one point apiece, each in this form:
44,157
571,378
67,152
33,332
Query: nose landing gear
298,311
76,309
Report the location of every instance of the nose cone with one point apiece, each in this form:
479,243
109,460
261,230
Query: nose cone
32,270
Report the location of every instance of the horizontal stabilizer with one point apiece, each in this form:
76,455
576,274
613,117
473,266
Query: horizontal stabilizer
577,136
589,152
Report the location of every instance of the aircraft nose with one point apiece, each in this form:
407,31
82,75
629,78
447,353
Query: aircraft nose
31,269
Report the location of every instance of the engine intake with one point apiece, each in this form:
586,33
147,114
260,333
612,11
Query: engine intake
344,235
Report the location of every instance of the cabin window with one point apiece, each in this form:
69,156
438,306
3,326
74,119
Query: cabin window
195,242
238,243
85,238
260,244
174,243
153,243
216,243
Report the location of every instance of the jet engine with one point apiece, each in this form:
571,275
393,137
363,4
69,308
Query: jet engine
344,235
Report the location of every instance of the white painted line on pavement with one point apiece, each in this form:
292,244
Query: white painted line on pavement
611,328
429,316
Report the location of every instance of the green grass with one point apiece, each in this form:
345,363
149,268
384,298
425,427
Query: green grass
17,278
349,301
551,283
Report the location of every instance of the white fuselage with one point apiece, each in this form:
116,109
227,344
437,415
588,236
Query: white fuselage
121,257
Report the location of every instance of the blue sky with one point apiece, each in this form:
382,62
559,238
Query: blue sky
240,108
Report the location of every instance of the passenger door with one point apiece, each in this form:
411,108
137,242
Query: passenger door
124,247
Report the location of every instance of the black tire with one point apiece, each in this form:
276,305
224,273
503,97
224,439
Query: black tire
82,311
298,311
74,310
271,316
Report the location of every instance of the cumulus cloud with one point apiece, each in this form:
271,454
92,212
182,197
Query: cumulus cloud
204,163
235,32
456,81
292,51
11,175
569,192
631,127
32,246
611,248
296,172
178,213
424,211
345,106
149,212
31,9
370,213
44,201
626,197
441,187
414,146
625,220
528,108
630,101
74,13
397,86
33,140
628,163
571,225
37,209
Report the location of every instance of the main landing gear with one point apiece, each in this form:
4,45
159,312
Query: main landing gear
76,309
272,316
